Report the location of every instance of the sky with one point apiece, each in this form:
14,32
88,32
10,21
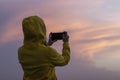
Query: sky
93,27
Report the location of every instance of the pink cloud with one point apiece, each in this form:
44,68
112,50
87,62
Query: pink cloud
70,16
90,43
92,40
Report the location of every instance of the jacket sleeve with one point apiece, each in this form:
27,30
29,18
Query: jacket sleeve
60,60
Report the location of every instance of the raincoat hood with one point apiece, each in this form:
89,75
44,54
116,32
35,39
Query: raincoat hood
34,30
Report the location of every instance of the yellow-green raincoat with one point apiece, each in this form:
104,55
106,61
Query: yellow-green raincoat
37,59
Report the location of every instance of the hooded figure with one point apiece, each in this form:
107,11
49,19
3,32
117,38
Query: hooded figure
38,60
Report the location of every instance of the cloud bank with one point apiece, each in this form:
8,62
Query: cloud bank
92,36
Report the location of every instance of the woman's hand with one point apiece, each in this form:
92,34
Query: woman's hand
65,37
50,41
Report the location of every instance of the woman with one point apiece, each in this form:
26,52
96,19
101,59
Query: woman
37,58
